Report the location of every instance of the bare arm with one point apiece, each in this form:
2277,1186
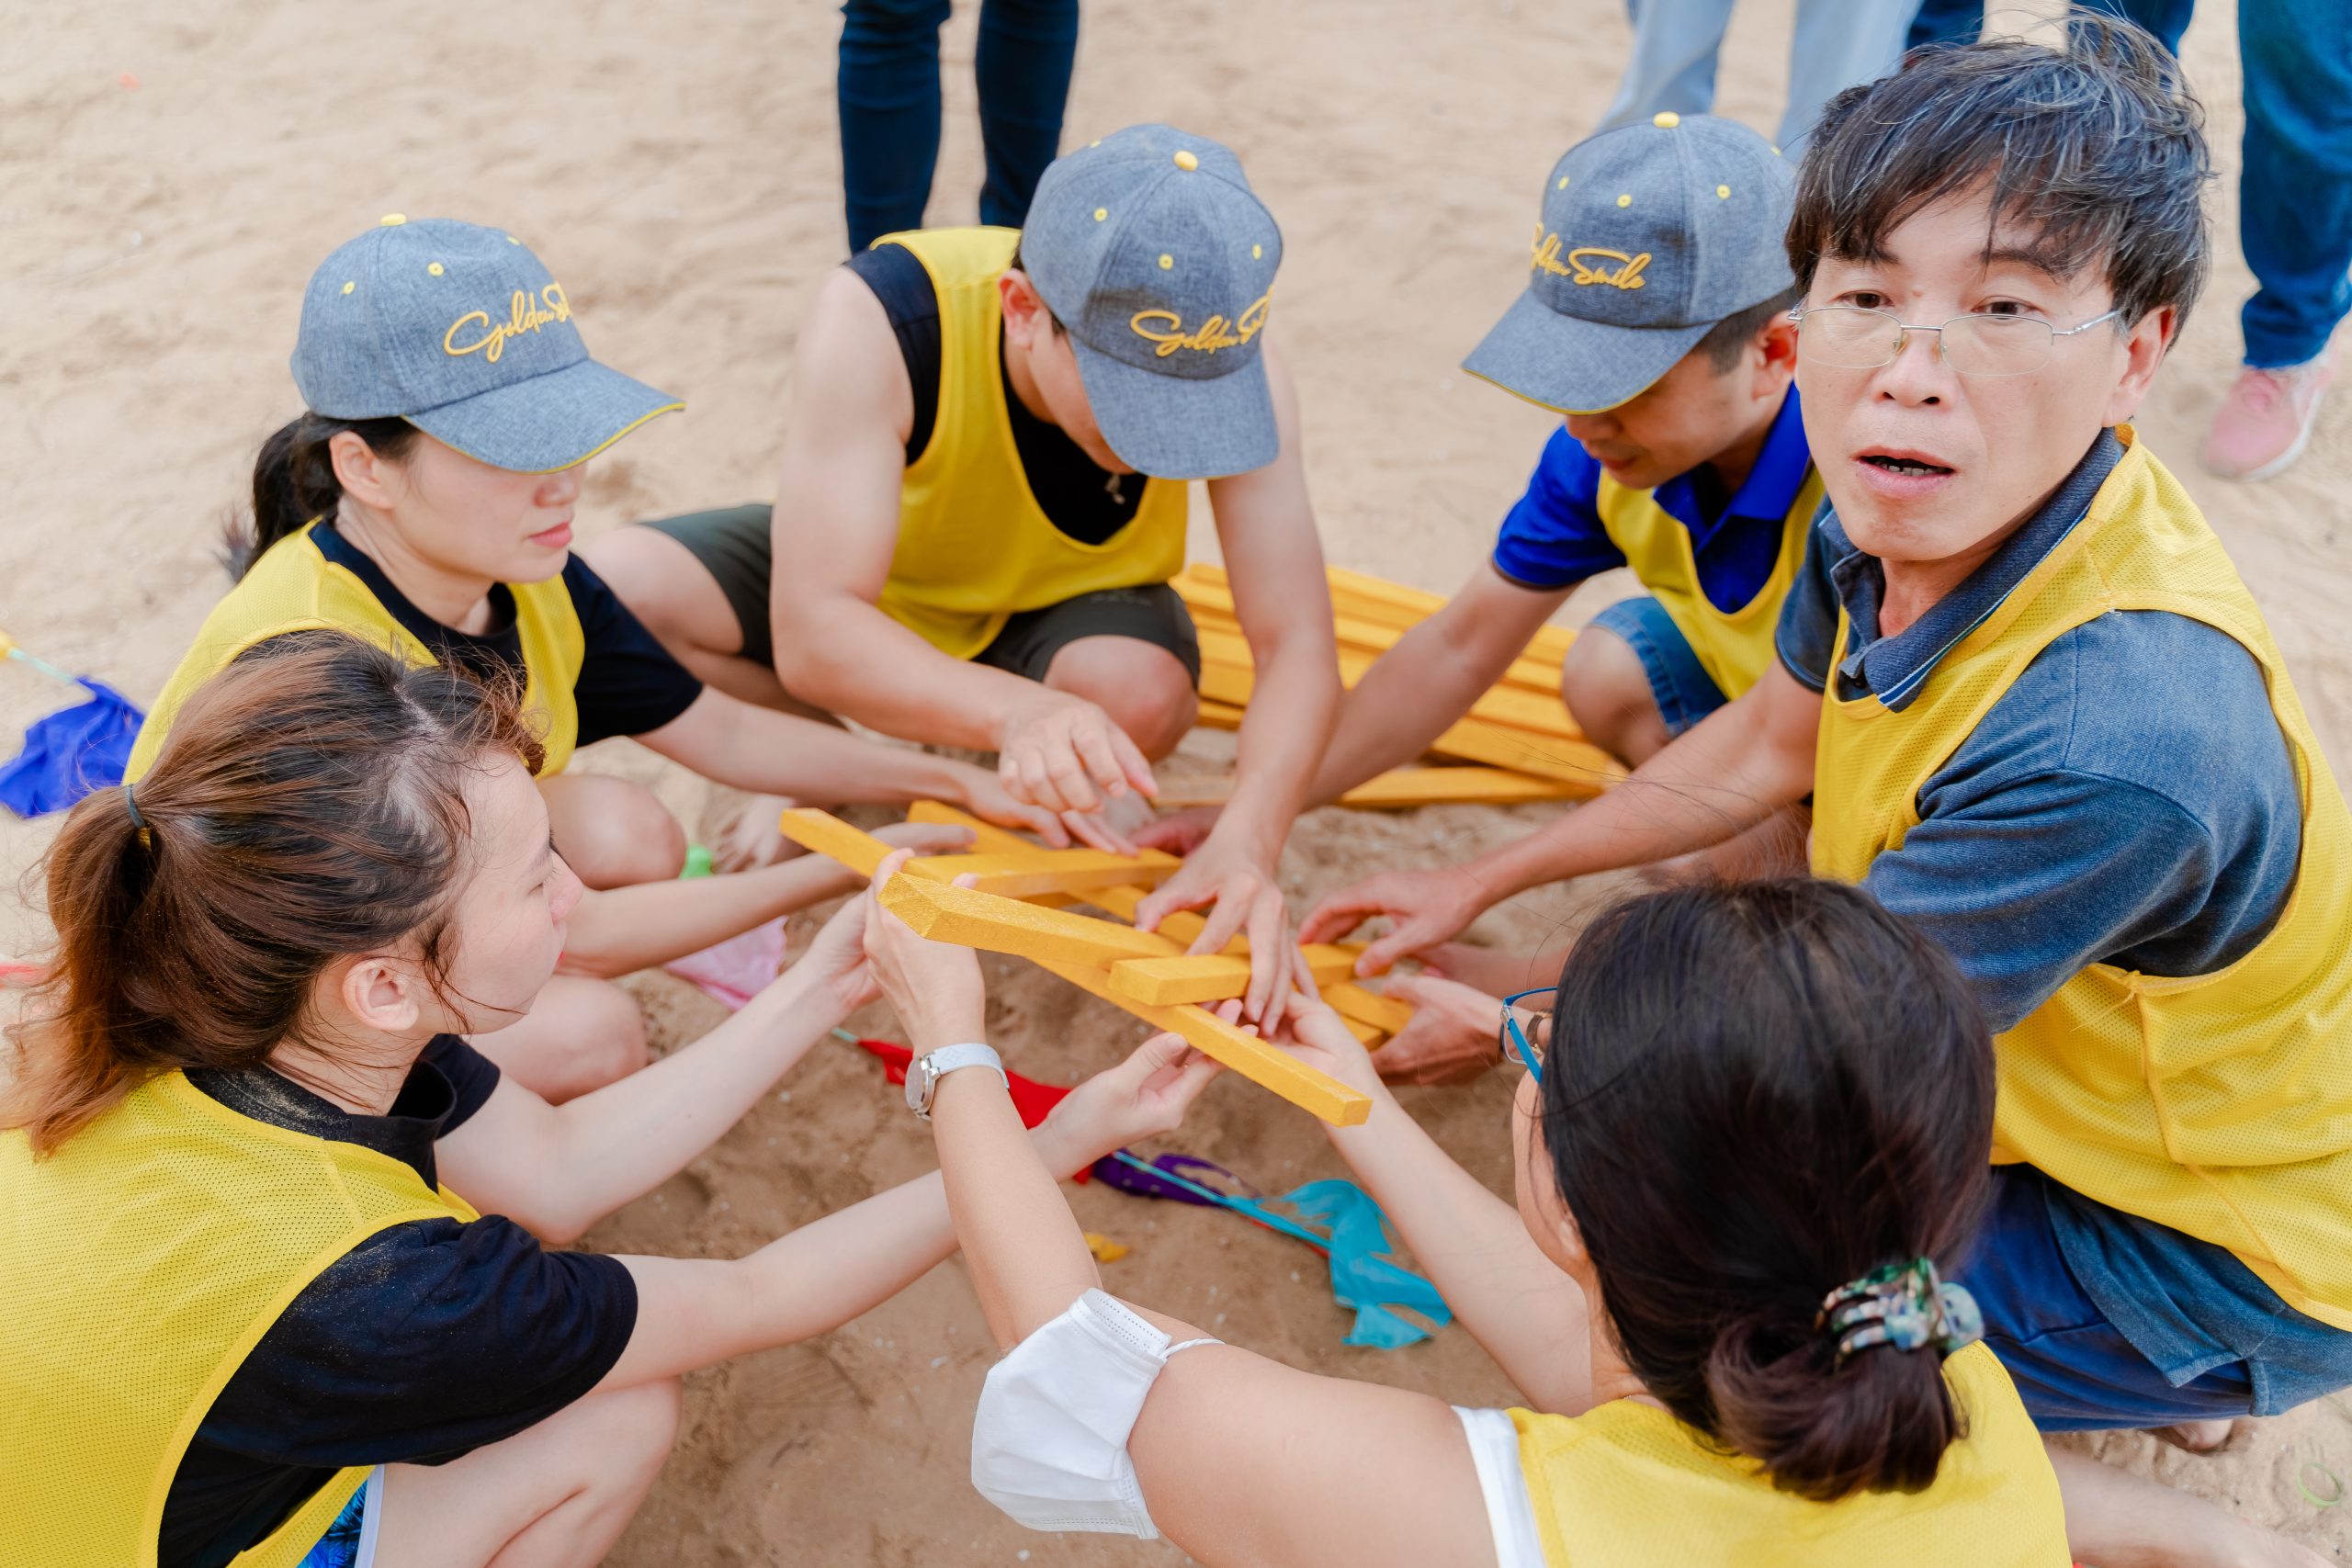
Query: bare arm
1429,679
559,1169
1275,564
1736,767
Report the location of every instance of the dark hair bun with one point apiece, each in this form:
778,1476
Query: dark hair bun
1880,1422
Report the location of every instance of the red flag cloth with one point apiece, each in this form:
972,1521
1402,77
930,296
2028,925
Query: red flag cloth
1031,1098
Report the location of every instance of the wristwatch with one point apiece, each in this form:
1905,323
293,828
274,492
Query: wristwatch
924,1072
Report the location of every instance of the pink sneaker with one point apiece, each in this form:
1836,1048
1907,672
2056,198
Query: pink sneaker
2266,420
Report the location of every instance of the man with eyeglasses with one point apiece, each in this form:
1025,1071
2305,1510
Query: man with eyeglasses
2040,715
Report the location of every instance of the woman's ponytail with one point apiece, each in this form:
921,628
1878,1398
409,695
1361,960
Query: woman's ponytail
294,481
1767,1106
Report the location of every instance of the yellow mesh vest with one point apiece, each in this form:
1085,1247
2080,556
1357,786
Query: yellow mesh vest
973,546
1733,647
1628,1484
294,588
2218,1104
139,1264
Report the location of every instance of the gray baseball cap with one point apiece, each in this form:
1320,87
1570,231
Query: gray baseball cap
461,331
1150,248
1650,234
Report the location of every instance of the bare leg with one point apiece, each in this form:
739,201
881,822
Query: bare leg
1607,693
2123,1521
581,1035
1140,685
556,1496
613,833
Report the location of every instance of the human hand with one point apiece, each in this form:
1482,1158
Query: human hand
933,986
1424,906
1145,1095
1313,1033
1063,753
1452,1037
918,838
835,964
1247,900
1179,833
983,795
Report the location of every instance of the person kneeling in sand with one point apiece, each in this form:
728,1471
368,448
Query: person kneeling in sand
425,503
984,496
2039,715
271,1272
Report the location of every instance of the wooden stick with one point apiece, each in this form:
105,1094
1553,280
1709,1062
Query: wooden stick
1352,1000
1212,609
1032,870
1267,1066
1211,976
993,923
823,833
1498,705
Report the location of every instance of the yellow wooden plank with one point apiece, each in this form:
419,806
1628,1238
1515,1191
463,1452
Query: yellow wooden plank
1267,1066
1509,705
993,923
1212,977
1359,597
1437,786
1212,610
1032,870
1367,1006
1218,715
823,833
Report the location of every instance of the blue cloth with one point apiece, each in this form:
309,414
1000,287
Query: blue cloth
2128,800
1553,539
888,95
2295,191
1684,692
71,752
2163,1328
340,1546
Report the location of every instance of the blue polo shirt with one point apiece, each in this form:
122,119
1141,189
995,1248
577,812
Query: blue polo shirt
2128,800
1553,539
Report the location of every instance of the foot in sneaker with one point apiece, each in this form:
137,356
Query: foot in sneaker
2265,420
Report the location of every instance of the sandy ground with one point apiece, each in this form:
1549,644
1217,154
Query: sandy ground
170,173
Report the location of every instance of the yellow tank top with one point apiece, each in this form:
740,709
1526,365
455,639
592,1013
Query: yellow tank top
1628,1484
1733,647
293,588
973,546
139,1264
2218,1104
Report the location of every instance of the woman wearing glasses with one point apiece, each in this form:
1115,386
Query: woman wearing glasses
1719,1289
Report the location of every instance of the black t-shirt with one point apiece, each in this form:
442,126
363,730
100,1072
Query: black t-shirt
424,1342
1087,502
629,682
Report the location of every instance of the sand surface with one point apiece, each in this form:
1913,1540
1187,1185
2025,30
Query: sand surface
172,173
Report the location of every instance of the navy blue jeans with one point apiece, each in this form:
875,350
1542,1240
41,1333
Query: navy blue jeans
889,94
2295,191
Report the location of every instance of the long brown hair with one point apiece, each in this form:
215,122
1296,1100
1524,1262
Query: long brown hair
1756,1093
294,482
309,805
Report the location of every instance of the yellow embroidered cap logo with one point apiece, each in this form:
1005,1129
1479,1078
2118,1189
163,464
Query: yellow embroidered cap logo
1577,265
1208,337
524,314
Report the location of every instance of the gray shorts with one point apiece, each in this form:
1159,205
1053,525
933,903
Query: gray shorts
732,545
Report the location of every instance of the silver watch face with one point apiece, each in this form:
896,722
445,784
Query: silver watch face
919,1084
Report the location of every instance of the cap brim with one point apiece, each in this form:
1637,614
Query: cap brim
1572,364
1173,427
555,420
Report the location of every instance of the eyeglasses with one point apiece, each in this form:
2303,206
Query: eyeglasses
1856,337
1509,1037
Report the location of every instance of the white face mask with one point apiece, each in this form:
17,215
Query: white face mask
1049,1443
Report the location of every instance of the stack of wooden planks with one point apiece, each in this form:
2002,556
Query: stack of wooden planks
1016,906
1519,730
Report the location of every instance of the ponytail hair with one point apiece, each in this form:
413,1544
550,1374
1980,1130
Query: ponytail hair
294,481
1756,1094
307,805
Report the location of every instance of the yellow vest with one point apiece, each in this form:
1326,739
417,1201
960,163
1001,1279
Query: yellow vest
295,588
2218,1104
139,1264
973,546
1733,647
1626,1482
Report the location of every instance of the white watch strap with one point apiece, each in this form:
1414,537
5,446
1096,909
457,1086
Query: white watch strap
937,1064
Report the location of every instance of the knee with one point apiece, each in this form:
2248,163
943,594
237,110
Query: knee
1145,688
612,1041
1606,691
641,1426
622,836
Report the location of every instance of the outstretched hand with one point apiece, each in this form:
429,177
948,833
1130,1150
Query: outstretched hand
1425,908
933,986
1146,1095
1452,1038
1064,753
1245,899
